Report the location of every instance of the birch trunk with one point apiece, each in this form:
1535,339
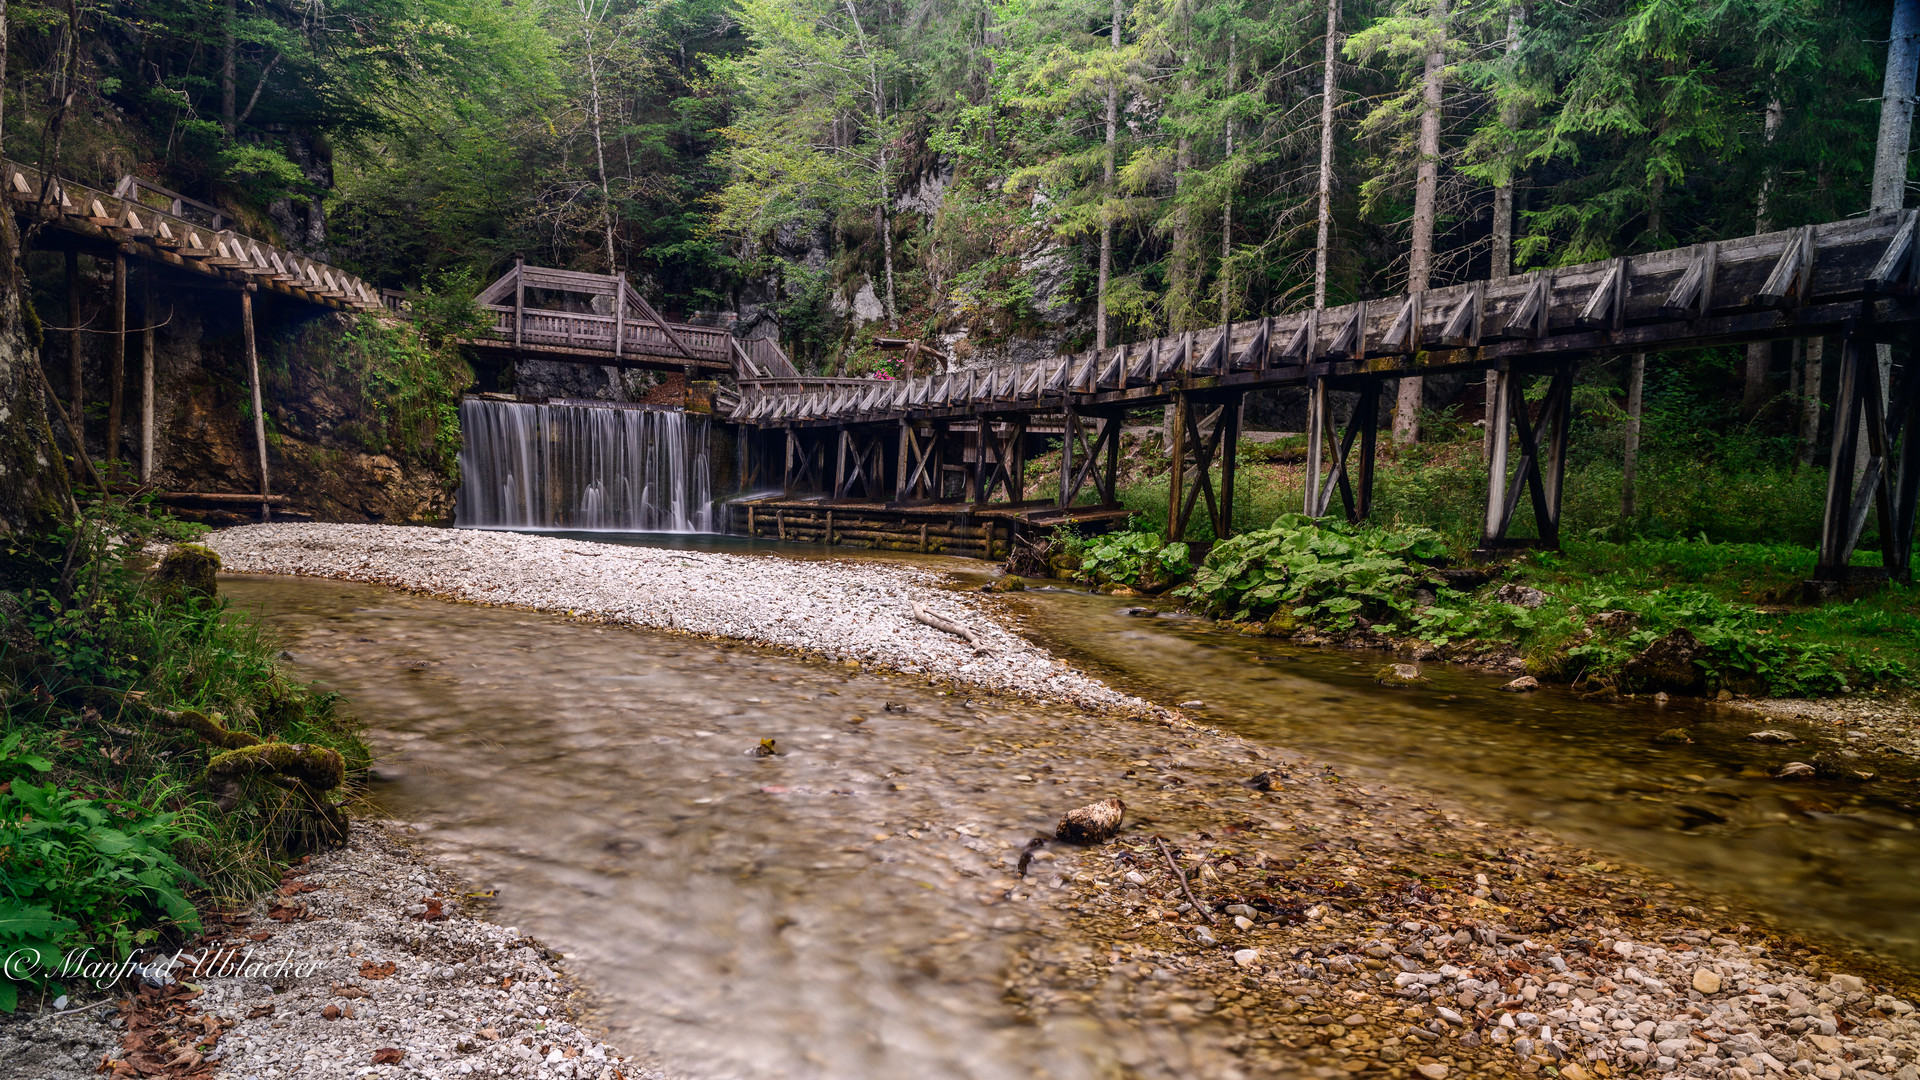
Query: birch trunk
1329,87
1810,399
1406,413
1896,107
599,144
882,222
1630,465
1760,353
1502,256
1226,205
1106,197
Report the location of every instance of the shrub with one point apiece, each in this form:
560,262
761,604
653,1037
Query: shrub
1132,558
1325,573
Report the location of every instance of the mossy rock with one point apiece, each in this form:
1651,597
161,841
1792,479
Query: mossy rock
189,570
1400,675
1282,623
1674,735
1009,583
1063,564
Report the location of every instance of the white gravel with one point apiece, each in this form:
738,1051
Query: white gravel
844,610
457,997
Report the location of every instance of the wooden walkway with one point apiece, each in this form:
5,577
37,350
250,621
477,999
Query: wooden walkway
629,333
1854,278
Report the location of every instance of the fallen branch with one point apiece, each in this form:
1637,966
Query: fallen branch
1184,887
927,618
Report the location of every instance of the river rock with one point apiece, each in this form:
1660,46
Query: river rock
1094,823
1667,664
1246,957
1432,1070
1613,622
1772,736
1674,735
1520,596
1794,770
1523,685
1400,675
1706,980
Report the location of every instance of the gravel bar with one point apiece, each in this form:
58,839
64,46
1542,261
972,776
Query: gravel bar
847,611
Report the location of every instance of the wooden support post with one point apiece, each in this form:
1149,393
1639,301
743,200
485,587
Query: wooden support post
1229,460
840,463
519,301
923,538
1177,467
117,361
76,376
1906,484
147,410
780,524
1110,427
827,536
259,411
1835,552
902,463
1368,417
1069,431
620,314
1318,420
751,530
1499,423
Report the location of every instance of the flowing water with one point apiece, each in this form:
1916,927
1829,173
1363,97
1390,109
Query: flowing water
815,915
583,468
1840,862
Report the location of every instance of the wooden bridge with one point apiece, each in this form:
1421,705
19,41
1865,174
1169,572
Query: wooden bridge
531,319
142,221
899,444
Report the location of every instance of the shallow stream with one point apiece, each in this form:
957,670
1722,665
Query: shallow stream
847,908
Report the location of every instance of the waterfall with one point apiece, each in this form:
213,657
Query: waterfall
577,467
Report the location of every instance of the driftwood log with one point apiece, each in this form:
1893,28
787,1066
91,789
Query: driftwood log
945,625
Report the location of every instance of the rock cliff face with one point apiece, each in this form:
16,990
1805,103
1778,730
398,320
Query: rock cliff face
332,386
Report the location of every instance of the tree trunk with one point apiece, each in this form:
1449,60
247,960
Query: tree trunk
876,90
1501,260
1630,465
1810,399
228,47
1329,86
76,368
34,487
1226,203
1406,413
599,143
1180,287
1760,353
1896,108
1106,197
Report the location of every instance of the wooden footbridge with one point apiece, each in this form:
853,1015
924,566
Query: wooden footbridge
537,313
960,439
193,244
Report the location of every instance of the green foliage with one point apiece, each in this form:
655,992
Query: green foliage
406,388
1322,573
78,871
1130,558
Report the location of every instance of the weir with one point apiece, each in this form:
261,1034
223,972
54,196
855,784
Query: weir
591,468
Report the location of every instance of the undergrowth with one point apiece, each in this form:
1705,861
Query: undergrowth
107,824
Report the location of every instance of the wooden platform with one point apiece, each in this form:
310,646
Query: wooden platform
981,532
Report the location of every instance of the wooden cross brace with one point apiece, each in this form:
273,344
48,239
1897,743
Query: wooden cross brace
1886,487
1080,457
1540,472
1363,426
804,465
1200,435
860,464
1000,462
917,477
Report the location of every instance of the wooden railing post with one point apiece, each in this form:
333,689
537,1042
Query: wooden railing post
259,411
519,300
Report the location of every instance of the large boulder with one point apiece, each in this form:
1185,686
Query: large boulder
188,570
1668,664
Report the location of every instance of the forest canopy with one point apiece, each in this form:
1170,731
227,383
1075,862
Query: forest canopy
1097,170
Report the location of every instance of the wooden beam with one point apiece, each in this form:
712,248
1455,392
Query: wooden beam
259,410
117,360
